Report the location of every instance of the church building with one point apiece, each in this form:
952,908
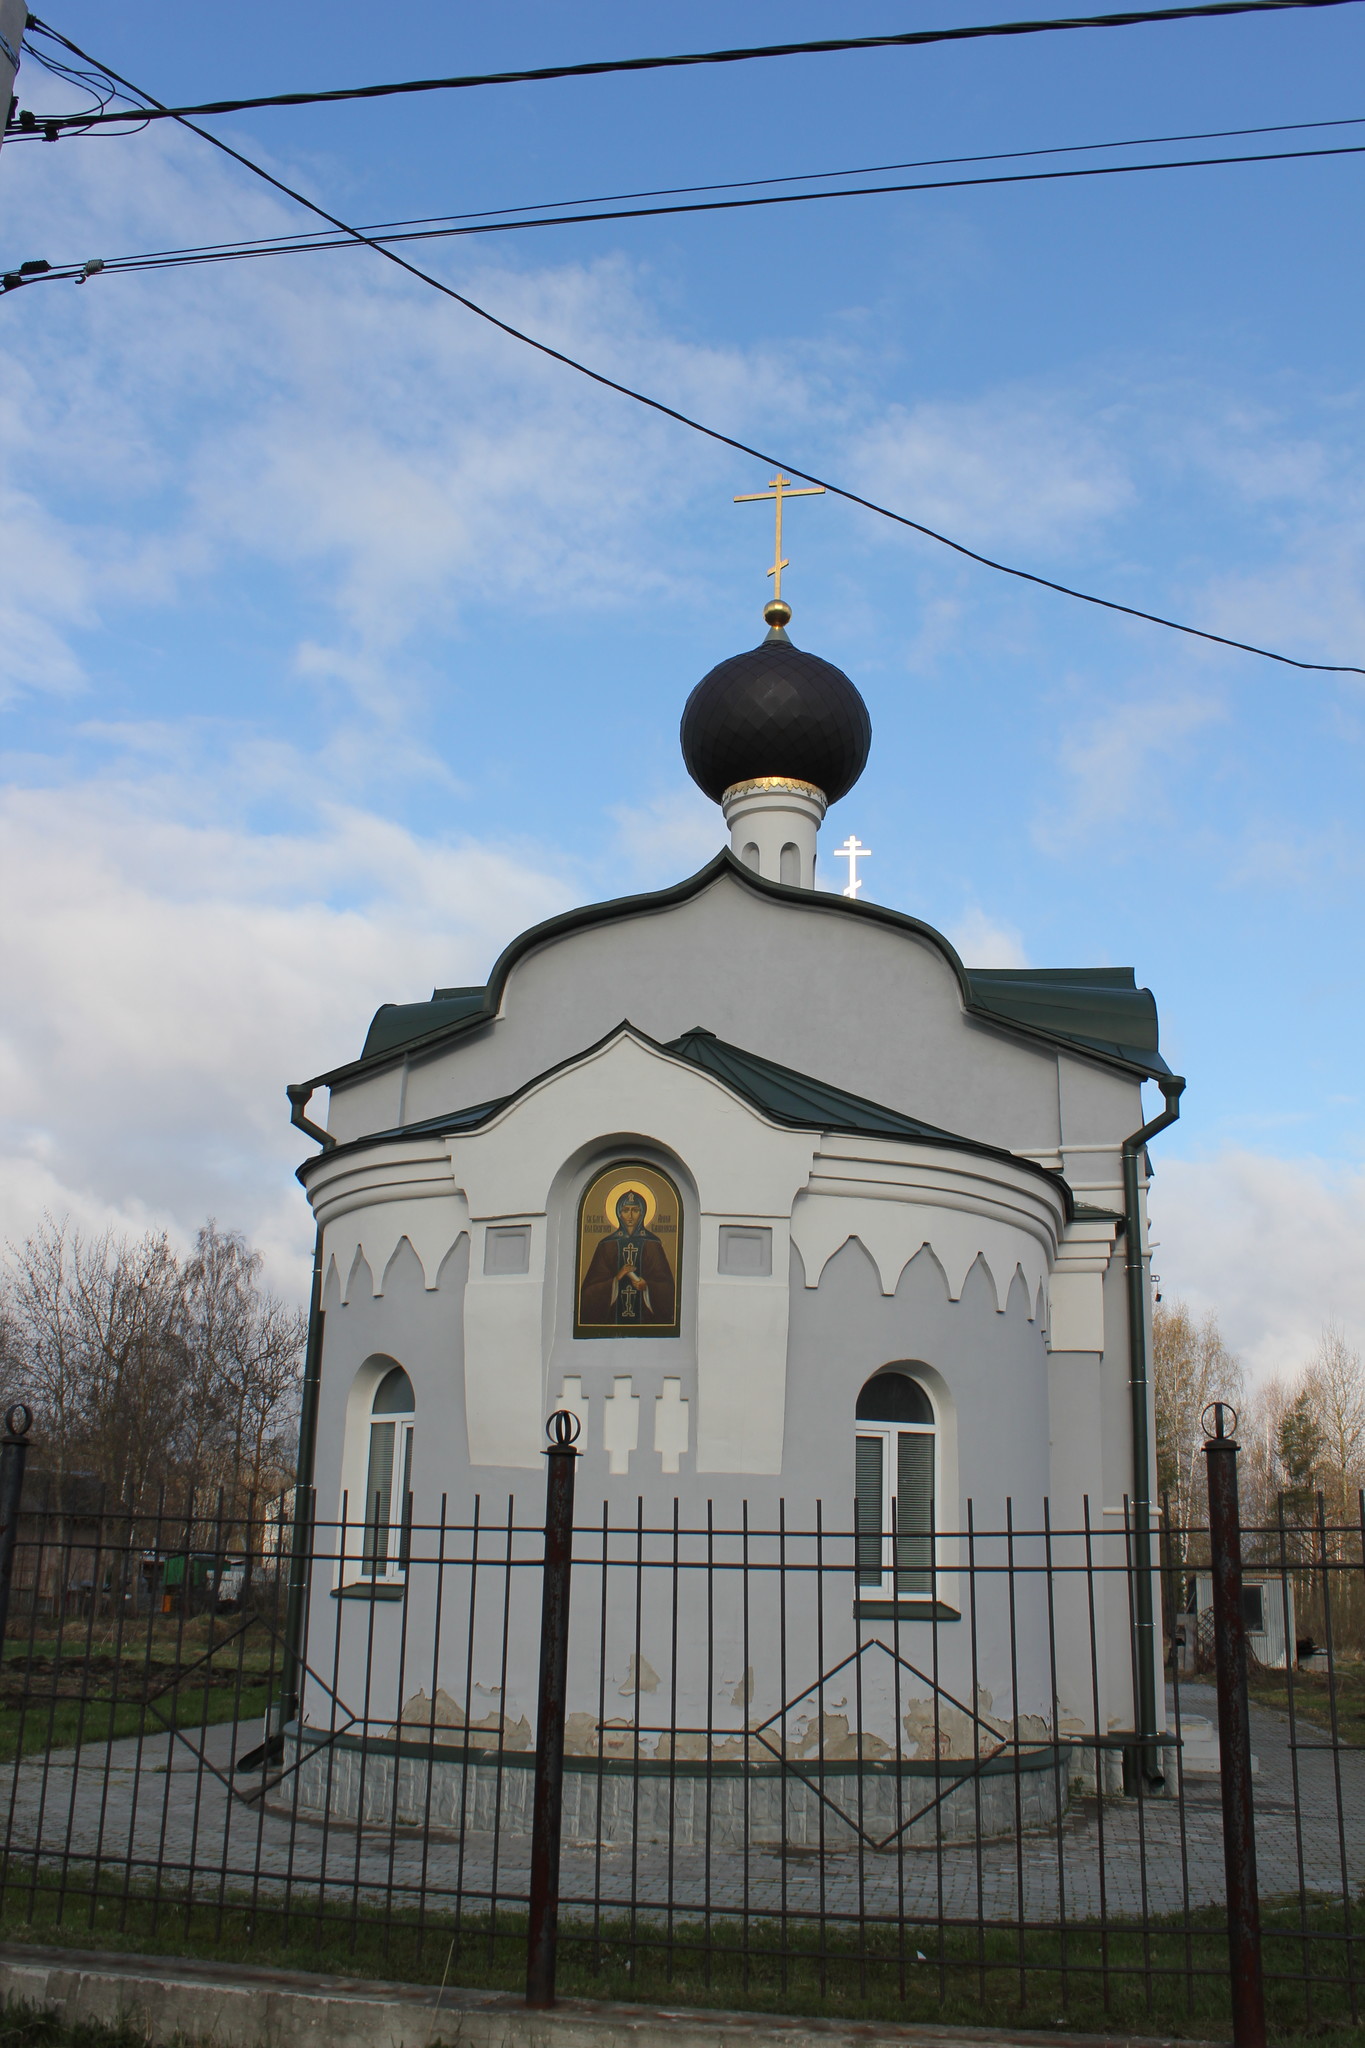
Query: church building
780,1199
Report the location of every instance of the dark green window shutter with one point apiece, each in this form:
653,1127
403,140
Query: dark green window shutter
405,1535
914,1513
378,1499
869,1505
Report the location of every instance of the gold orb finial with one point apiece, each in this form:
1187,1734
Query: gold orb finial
777,612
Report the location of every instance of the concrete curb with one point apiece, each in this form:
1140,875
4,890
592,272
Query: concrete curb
169,1997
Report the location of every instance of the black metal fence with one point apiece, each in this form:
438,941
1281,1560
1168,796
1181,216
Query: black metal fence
773,1782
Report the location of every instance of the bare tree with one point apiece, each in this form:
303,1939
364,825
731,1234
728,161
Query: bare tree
246,1348
48,1349
218,1279
268,1382
1192,1366
127,1298
1334,1385
1262,1475
15,1384
156,1376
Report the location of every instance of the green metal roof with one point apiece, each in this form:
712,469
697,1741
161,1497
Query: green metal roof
793,1098
1095,1010
396,1024
1101,1008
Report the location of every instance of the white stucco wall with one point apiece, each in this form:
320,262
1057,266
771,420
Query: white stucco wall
977,1214
962,1262
873,1008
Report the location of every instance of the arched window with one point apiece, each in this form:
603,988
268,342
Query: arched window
388,1478
896,1482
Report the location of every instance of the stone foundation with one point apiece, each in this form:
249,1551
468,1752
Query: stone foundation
618,1801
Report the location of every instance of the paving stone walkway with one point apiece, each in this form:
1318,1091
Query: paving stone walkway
156,1804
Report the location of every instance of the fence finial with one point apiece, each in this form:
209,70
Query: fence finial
563,1429
1215,1423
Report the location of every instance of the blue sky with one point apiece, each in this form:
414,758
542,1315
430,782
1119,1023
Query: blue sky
342,637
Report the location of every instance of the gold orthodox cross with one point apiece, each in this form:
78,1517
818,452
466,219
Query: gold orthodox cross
779,488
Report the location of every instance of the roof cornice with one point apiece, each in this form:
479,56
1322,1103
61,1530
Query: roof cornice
458,1123
725,864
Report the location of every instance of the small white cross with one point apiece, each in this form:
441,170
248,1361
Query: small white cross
852,851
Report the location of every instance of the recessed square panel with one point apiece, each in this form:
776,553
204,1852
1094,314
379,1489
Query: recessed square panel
746,1251
507,1248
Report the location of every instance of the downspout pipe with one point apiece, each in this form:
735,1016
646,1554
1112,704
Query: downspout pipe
1147,1723
296,1611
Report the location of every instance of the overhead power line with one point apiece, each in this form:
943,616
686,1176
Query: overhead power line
382,237
925,163
827,46
657,405
389,236
390,229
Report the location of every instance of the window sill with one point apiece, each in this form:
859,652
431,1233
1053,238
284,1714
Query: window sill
371,1589
904,1610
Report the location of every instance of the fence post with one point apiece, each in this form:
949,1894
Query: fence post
13,1454
1234,1731
547,1815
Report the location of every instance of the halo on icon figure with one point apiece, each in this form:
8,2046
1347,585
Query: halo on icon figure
642,1195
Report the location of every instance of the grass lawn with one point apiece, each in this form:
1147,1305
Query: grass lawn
24,2026
63,1723
1313,1697
59,1690
1171,1981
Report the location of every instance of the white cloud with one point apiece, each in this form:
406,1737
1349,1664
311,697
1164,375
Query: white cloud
1017,467
1308,600
168,970
401,461
1272,1246
983,942
1121,763
395,456
1287,855
1295,581
1257,451
670,836
46,591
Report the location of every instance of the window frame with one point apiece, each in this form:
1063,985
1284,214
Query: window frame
888,1435
394,1534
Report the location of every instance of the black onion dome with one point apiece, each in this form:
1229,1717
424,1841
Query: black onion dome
775,711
